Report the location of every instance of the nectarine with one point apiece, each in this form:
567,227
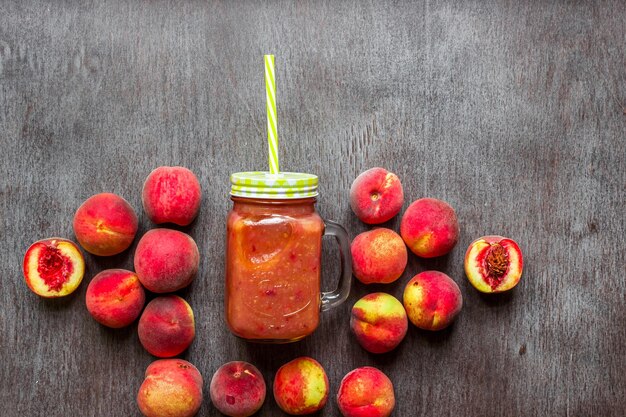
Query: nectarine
171,195
105,224
237,389
376,196
301,386
166,326
172,388
366,392
379,322
378,256
429,227
166,260
115,298
432,300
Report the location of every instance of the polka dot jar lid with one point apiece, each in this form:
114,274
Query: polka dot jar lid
262,184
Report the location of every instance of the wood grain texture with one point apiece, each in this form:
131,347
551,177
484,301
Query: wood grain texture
513,112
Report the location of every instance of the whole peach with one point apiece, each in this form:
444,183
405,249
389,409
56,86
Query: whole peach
432,300
166,326
172,388
301,386
493,264
376,196
53,267
115,298
171,195
379,322
366,392
429,227
166,260
237,389
105,224
378,256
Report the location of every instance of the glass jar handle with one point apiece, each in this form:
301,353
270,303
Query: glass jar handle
340,294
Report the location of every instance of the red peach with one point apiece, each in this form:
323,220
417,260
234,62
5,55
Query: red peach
379,322
172,388
115,298
376,196
171,195
53,267
432,300
366,392
493,264
105,224
429,227
378,256
237,389
166,326
301,386
166,260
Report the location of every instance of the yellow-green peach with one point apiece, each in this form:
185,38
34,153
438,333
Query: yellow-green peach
379,322
301,386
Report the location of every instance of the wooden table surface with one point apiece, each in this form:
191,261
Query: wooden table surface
513,112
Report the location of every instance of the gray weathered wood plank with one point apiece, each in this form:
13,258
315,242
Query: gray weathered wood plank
513,112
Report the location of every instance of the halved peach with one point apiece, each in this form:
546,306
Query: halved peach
493,264
53,267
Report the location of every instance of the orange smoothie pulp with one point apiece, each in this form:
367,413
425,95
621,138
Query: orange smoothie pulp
273,268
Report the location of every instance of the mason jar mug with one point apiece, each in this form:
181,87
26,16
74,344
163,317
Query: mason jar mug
273,258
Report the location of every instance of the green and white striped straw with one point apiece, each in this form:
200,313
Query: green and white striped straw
272,120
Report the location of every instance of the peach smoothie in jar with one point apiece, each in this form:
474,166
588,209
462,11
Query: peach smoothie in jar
274,244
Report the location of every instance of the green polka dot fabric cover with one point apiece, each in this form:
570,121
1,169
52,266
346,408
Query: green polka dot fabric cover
262,184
